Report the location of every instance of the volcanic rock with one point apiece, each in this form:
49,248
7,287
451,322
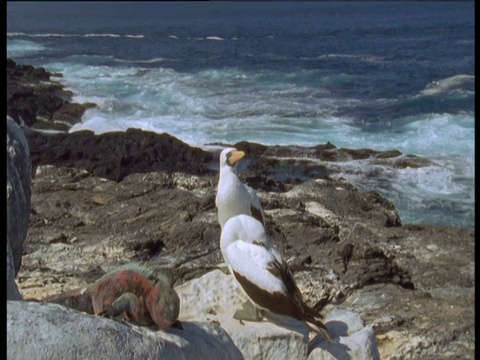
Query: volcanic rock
404,280
33,97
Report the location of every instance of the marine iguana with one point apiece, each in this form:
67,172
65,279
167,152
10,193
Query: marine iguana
133,291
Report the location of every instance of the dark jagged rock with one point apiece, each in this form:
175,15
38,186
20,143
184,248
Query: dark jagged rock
70,113
27,72
325,152
407,161
251,148
118,154
32,96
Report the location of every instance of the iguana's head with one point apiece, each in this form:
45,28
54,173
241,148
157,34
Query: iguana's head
164,279
163,305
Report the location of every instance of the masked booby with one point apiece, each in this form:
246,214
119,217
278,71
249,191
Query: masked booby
262,273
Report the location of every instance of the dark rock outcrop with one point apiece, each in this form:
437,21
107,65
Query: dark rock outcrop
116,155
33,100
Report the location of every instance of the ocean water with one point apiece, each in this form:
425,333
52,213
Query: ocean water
380,75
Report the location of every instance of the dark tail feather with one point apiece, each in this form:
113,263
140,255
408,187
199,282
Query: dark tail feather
313,320
318,327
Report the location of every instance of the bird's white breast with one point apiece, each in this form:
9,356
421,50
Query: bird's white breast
232,198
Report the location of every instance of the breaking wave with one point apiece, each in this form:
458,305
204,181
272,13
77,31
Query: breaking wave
449,83
47,35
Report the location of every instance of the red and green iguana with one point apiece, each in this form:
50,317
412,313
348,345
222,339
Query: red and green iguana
132,291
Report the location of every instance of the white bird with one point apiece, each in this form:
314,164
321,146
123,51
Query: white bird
262,273
233,196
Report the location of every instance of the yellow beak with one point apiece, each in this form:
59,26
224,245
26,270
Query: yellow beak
236,155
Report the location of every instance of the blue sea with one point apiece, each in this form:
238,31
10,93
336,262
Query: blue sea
380,75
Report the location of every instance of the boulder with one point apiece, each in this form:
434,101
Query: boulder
19,177
51,331
355,340
216,296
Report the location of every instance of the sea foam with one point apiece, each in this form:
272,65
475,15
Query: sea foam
22,48
284,108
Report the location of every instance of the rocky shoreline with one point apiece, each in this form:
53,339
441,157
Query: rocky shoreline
35,100
101,201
